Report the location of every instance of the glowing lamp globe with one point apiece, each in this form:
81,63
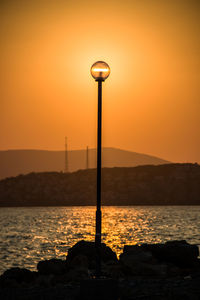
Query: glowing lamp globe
100,70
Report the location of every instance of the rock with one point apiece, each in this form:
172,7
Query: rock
159,270
180,253
45,280
159,288
172,270
52,266
139,262
170,259
113,270
88,250
139,268
99,289
17,275
76,275
79,262
136,253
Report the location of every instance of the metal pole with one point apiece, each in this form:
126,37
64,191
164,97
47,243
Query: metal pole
98,211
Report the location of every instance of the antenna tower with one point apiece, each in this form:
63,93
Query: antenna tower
66,157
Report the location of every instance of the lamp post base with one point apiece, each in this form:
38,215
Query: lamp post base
99,289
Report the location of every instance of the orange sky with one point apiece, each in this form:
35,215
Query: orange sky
151,100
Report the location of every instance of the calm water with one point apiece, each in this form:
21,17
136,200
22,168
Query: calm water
31,234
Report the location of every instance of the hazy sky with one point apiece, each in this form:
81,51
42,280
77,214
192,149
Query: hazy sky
151,101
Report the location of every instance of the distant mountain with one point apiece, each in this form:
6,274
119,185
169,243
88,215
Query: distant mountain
171,184
15,162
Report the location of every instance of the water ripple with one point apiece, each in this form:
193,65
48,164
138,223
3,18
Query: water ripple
31,234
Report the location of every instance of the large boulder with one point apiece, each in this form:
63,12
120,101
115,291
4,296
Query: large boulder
180,253
136,253
17,275
139,262
160,259
87,250
114,270
77,275
79,262
52,266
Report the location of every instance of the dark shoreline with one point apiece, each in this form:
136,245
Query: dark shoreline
162,185
150,271
145,289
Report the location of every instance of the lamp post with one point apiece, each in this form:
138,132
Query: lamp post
99,71
99,287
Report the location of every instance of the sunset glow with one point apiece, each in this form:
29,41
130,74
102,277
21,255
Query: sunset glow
150,103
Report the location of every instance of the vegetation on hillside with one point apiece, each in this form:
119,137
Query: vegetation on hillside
169,184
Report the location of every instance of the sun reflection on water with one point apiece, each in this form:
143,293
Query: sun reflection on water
32,234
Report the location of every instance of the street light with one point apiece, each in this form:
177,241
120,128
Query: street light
99,71
99,287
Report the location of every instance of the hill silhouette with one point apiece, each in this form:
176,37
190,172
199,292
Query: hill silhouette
169,184
15,162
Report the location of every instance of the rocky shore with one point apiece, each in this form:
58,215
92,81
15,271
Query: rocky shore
148,271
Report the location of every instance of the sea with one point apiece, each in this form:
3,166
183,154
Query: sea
29,235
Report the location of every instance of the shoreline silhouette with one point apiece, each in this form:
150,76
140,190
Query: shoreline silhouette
168,184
